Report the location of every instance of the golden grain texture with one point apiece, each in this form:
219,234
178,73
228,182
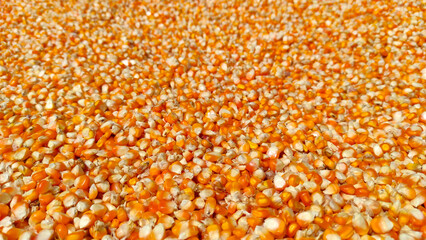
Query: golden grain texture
212,119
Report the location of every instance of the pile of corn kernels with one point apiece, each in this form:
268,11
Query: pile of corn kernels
212,119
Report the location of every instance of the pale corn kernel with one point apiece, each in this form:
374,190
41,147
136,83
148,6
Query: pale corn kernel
45,235
381,224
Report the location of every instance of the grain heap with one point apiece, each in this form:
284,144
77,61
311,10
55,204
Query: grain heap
228,119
